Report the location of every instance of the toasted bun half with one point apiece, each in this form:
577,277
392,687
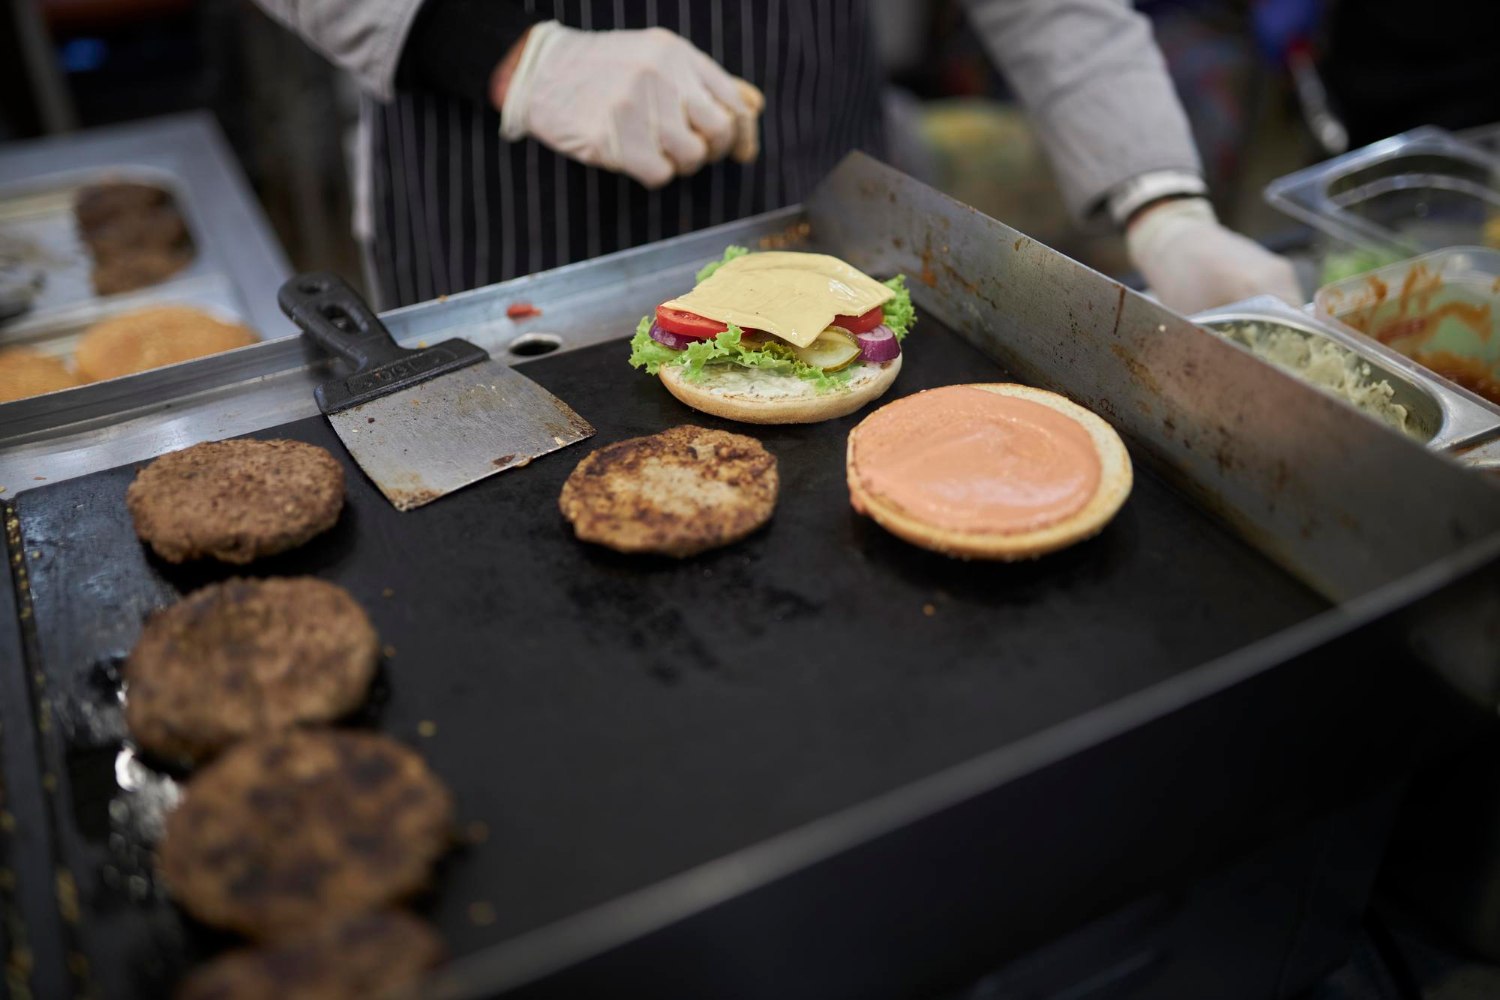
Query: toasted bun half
761,398
1115,480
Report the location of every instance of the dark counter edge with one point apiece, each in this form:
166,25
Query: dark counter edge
37,943
1344,701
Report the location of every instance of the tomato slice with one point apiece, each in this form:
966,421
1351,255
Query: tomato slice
863,322
686,324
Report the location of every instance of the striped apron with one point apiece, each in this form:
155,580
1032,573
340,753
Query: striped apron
452,206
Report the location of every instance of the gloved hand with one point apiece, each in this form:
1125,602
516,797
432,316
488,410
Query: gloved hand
645,103
1191,262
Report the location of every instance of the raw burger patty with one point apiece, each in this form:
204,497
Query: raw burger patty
676,493
247,658
282,834
364,956
236,500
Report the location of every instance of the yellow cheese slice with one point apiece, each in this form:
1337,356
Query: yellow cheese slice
792,295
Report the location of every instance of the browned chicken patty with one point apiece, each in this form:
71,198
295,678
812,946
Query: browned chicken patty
677,493
247,658
143,339
366,956
282,834
24,372
236,501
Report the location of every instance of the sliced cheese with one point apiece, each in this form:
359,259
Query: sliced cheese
792,295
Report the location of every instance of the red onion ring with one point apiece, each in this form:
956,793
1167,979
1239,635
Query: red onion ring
879,345
668,339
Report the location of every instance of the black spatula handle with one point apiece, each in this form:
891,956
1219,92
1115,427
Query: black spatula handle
333,316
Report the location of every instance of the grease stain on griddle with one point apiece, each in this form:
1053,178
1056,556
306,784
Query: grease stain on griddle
629,604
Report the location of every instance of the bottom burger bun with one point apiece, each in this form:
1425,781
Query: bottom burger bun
1115,481
761,398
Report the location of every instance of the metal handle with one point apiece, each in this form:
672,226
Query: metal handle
334,316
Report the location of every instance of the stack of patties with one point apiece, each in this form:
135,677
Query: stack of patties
777,338
296,835
135,233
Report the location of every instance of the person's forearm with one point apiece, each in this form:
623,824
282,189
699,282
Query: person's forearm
465,48
1097,88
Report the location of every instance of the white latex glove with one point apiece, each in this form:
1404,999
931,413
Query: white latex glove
644,103
1192,263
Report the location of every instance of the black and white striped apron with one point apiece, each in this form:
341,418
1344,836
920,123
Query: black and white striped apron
455,207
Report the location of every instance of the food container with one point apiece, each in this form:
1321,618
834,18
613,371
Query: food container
1438,415
1422,190
236,265
1442,310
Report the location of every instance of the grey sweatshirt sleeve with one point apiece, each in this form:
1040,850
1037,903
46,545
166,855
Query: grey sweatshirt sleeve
1097,88
364,37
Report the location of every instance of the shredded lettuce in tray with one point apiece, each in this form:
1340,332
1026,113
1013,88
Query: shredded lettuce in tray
728,347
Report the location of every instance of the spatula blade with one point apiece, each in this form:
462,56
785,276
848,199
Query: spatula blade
423,443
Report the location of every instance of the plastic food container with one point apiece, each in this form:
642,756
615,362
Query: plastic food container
1442,310
1422,190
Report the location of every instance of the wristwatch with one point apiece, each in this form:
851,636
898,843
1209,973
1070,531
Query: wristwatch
1149,188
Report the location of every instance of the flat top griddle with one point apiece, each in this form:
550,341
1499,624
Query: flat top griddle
608,721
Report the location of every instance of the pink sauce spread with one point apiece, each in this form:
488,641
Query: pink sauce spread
968,460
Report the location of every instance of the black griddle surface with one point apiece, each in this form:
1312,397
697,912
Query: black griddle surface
612,720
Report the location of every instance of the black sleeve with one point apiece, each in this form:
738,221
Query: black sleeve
454,45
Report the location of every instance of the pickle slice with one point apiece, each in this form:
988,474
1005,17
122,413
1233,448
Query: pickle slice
834,350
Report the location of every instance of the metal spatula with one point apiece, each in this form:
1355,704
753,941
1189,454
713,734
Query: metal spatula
423,423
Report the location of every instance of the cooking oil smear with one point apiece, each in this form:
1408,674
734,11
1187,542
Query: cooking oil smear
120,803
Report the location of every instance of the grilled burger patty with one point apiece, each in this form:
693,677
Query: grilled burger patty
677,493
247,658
282,834
369,955
236,500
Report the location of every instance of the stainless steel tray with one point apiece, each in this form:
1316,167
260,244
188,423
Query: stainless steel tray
237,264
1421,190
1442,418
41,216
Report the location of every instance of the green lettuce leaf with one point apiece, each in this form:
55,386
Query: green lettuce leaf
728,348
647,353
730,253
899,314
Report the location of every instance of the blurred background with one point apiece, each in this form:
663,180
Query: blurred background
288,115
